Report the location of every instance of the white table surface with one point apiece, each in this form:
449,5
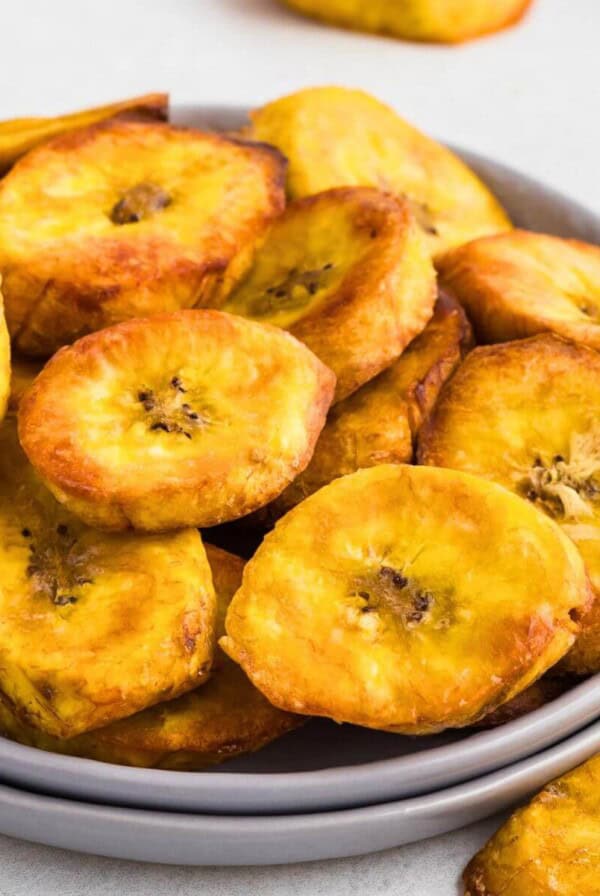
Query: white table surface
529,97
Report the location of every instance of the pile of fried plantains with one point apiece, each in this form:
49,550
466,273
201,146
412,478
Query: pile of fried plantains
319,342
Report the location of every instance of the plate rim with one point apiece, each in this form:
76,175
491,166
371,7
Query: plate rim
204,839
201,791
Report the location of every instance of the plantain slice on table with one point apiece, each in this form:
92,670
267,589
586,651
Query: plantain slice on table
551,846
222,719
334,136
438,21
526,414
93,627
348,273
379,423
519,284
125,219
409,599
190,418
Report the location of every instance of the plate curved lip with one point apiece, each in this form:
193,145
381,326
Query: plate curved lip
231,792
194,839
373,782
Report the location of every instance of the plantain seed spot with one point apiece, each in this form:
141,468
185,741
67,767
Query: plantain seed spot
138,203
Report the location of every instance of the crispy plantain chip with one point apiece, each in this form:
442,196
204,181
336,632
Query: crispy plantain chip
333,136
222,719
19,135
406,598
93,627
551,846
189,418
347,272
526,414
519,284
379,423
448,21
127,219
534,697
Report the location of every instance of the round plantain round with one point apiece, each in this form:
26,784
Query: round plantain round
224,718
408,599
333,137
548,847
127,219
379,423
184,419
93,627
519,284
348,273
526,415
436,21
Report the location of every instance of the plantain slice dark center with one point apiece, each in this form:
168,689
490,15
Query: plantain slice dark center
389,589
56,567
172,410
138,203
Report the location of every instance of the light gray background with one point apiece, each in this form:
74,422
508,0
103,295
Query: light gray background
529,97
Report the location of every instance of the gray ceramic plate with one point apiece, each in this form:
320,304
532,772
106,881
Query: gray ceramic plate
326,766
187,839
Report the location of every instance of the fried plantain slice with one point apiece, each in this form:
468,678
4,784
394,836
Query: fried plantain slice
5,360
404,598
534,697
19,135
551,846
526,415
380,422
438,21
126,219
348,273
189,418
23,371
518,284
93,627
333,136
222,719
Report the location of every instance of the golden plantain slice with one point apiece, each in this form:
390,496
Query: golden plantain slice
519,284
333,136
406,598
526,414
19,135
551,846
538,694
444,21
189,418
224,718
126,219
347,272
380,422
93,627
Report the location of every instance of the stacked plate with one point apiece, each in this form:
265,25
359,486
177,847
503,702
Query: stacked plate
325,790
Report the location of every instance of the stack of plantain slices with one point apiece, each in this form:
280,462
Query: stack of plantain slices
216,335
